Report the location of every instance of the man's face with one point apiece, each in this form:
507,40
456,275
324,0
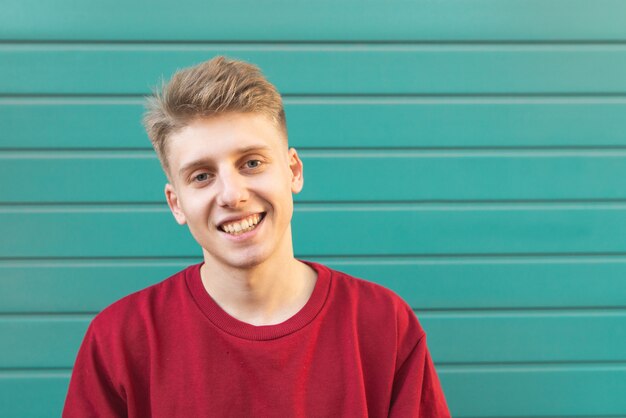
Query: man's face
232,182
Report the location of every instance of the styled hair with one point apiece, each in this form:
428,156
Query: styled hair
214,87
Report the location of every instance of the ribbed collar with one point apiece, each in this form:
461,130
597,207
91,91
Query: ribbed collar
235,327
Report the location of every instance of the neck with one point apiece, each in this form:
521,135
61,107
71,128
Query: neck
265,294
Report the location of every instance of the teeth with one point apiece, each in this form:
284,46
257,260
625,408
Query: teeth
244,225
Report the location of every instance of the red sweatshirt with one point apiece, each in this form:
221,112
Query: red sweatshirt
354,350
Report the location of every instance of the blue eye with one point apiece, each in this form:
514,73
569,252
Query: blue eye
253,163
201,177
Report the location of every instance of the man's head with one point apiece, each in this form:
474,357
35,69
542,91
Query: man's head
211,88
219,130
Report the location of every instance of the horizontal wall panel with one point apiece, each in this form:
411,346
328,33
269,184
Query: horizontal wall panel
491,337
341,176
340,123
470,122
82,124
36,394
497,282
43,287
564,391
33,342
526,336
329,21
95,177
409,229
446,283
128,69
558,391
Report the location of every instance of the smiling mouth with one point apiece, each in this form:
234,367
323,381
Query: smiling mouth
242,226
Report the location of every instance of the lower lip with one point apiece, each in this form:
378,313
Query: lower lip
245,235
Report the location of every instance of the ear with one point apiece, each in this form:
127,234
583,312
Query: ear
174,204
297,171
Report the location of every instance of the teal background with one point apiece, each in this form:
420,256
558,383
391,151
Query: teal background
469,155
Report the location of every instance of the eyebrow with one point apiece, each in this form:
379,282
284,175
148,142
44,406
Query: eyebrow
205,161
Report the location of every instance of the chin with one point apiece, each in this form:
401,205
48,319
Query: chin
243,262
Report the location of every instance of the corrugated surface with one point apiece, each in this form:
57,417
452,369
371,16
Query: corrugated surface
337,176
342,122
442,283
350,69
461,337
326,20
468,155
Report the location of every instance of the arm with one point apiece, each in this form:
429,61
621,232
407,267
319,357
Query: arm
416,389
92,392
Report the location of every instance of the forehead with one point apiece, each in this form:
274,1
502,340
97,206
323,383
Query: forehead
223,137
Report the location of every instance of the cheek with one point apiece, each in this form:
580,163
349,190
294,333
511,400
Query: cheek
285,201
270,187
274,189
195,210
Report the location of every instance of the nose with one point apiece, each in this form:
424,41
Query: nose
233,190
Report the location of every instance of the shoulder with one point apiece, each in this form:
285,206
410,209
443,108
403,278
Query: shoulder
367,291
139,307
371,302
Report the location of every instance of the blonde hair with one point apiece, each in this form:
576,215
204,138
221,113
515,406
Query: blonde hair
217,86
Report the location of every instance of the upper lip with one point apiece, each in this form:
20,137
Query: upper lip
237,217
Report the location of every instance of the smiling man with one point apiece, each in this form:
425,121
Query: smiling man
251,331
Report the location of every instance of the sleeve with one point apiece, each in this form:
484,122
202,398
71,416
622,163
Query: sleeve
92,392
416,389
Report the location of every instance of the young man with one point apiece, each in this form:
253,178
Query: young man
251,331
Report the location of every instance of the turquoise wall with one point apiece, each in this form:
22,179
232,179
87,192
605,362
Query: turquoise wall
469,155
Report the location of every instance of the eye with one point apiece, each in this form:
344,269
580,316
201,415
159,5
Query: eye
253,163
201,177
